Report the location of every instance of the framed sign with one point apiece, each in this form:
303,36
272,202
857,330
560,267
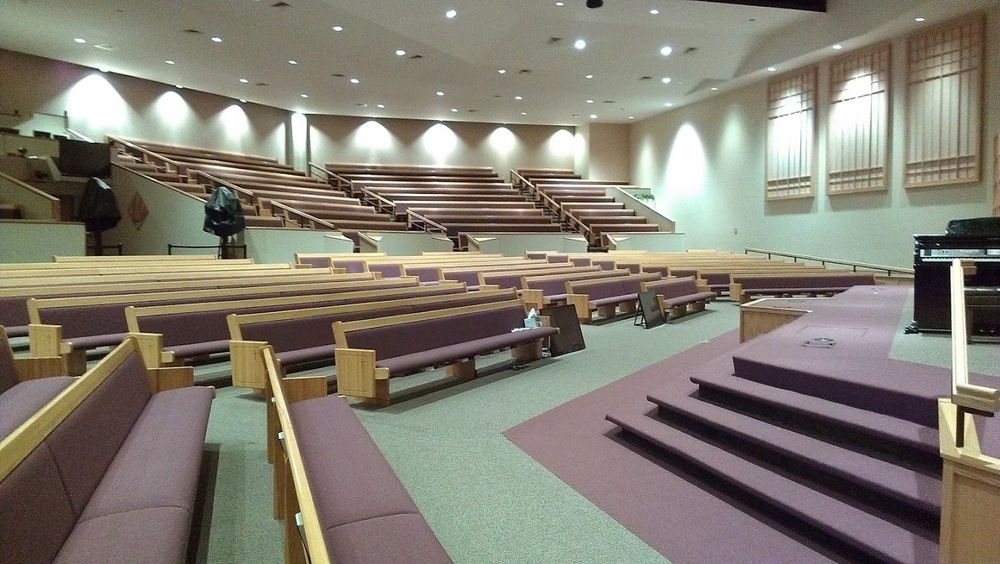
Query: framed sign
649,310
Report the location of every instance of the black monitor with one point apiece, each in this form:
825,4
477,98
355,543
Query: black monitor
83,158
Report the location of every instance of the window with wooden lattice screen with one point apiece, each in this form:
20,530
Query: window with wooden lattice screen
791,103
858,130
944,109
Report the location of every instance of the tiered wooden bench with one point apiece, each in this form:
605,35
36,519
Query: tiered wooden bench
352,506
606,295
677,297
369,352
746,286
108,470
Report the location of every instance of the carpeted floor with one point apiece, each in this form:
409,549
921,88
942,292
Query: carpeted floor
490,501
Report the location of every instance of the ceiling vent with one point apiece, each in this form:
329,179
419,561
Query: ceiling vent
191,31
105,47
337,74
281,5
416,57
261,84
641,78
689,50
554,40
609,101
524,71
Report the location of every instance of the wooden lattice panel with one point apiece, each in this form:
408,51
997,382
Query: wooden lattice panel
858,129
944,109
791,130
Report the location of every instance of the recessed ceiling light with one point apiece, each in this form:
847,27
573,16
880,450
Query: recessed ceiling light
771,69
919,19
669,104
665,80
655,12
304,95
666,50
838,46
80,40
243,101
244,81
355,81
439,93
524,113
714,88
400,52
588,76
451,14
217,39
631,117
293,62
454,109
593,116
338,28
560,4
178,86
580,44
502,71
380,106
590,101
169,62
518,98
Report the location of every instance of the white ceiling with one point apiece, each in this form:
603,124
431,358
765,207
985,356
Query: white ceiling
460,56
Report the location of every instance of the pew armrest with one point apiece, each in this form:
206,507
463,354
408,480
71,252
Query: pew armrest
582,304
533,298
170,378
45,340
358,376
247,364
151,350
37,367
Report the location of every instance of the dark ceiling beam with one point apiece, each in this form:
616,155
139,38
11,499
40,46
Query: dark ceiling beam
806,5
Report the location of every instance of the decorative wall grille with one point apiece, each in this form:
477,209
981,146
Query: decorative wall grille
791,101
858,130
944,104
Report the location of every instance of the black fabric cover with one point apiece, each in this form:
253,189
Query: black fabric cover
98,208
223,213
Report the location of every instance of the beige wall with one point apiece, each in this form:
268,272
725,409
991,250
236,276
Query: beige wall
608,151
705,164
399,141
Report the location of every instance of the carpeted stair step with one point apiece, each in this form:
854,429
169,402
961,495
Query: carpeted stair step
792,409
874,537
862,477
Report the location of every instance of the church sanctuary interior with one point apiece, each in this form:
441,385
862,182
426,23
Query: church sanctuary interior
520,281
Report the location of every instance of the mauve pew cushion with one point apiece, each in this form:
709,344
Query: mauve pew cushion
310,354
14,311
615,299
159,463
8,374
85,443
393,539
350,478
158,534
690,298
23,400
199,349
17,330
94,341
549,287
459,351
37,515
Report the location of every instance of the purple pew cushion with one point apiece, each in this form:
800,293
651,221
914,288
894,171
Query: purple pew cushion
199,349
690,299
23,400
393,539
8,374
307,355
459,351
156,534
95,341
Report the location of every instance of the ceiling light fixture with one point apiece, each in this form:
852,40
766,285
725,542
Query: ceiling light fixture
304,95
80,40
631,117
590,101
593,116
244,81
178,86
380,106
400,52
169,62
217,39
919,19
454,109
715,88
560,4
654,12
518,98
771,69
665,80
838,46
243,100
524,113
502,71
293,62
338,28
439,93
451,14
666,50
355,81
580,44
669,104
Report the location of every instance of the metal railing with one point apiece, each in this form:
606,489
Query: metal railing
854,265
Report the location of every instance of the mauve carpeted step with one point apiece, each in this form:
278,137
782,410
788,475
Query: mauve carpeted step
864,532
830,415
913,489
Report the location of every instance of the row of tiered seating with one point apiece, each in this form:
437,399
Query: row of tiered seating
454,201
581,204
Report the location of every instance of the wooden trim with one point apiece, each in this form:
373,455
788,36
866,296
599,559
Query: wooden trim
181,280
34,368
44,340
296,468
341,328
20,443
244,359
135,258
169,378
758,317
358,376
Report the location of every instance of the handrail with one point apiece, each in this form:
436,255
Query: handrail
427,222
36,195
79,135
147,153
889,270
329,176
303,215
